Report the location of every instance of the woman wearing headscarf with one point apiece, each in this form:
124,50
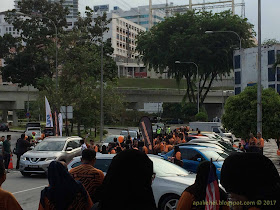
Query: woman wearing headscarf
63,193
127,184
262,185
194,196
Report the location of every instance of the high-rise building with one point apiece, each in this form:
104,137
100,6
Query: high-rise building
72,7
140,15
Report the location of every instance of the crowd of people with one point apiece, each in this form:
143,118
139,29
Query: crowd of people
128,185
250,181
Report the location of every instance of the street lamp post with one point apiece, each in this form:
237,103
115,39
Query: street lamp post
233,32
101,88
198,89
56,50
259,92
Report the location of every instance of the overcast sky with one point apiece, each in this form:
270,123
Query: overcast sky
270,11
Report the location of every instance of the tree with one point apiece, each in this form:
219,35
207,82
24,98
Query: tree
241,113
34,54
201,116
183,38
270,42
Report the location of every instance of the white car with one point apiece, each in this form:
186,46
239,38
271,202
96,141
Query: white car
109,139
132,133
170,182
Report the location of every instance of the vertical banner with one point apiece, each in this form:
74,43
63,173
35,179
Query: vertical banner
145,127
60,123
49,119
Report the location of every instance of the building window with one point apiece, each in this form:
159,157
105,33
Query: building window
118,36
237,62
271,75
271,86
237,90
271,57
278,88
278,74
237,78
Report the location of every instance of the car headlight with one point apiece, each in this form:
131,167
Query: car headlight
50,158
23,158
219,169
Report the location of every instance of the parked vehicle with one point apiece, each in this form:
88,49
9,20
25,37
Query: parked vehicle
211,127
171,180
33,125
49,131
36,130
132,133
193,155
109,139
156,126
4,127
175,121
37,160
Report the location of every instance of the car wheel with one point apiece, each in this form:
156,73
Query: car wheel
25,174
170,202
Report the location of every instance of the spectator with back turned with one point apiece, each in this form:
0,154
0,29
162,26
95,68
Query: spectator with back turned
63,192
90,177
196,193
7,201
262,186
127,185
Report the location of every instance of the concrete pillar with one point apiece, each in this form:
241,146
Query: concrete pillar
119,71
15,118
133,72
5,115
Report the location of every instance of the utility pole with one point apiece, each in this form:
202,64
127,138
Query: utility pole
190,4
233,7
166,9
259,98
150,14
101,88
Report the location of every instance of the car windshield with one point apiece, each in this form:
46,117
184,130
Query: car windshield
50,146
133,134
163,168
109,139
215,155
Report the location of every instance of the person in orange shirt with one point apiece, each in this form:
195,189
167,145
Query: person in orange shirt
252,144
196,193
63,191
90,177
260,142
177,156
199,133
7,199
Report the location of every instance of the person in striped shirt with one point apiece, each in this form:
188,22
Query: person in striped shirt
89,176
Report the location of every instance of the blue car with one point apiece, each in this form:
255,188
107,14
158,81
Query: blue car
193,155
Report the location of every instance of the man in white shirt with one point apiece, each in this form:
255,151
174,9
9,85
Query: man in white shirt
83,145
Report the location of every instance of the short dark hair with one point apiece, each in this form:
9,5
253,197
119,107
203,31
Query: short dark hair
115,139
88,154
22,136
8,136
2,168
82,141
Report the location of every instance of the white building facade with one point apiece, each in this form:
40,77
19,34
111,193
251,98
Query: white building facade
140,15
246,68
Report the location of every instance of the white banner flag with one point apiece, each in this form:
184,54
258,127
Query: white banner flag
49,118
60,123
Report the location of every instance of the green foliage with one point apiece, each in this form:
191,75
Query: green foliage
201,116
183,38
178,110
241,113
270,42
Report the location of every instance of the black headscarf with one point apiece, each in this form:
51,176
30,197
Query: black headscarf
252,175
198,189
127,184
63,188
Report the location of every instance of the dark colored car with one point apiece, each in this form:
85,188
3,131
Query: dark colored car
49,131
4,127
175,121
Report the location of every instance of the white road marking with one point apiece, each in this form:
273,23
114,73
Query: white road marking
29,189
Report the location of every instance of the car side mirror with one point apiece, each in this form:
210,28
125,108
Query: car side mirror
199,159
69,149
